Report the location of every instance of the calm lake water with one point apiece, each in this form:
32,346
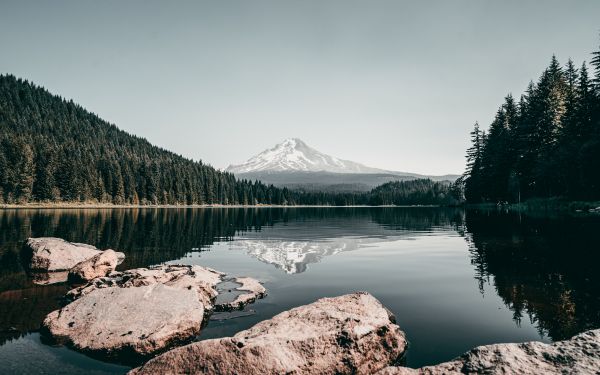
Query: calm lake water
454,279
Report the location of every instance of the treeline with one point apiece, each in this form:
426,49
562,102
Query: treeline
53,150
399,193
546,144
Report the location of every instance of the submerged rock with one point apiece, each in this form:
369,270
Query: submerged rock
249,291
49,278
99,265
55,254
137,312
349,334
579,355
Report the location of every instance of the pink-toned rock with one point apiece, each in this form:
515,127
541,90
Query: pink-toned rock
139,320
579,355
202,279
349,334
97,266
137,312
54,254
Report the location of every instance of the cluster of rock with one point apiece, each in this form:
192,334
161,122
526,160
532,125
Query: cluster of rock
355,334
350,334
137,312
55,260
143,312
134,313
579,355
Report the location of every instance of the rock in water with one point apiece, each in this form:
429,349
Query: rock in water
138,320
579,355
252,290
97,266
349,334
55,254
136,312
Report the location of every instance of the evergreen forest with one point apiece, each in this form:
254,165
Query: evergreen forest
544,144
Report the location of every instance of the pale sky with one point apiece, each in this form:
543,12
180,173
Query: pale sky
391,84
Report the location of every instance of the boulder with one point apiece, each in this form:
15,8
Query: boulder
97,266
349,334
54,254
132,321
579,355
136,313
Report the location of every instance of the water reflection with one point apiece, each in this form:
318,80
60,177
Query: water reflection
542,268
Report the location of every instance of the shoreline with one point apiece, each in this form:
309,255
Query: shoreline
542,205
64,205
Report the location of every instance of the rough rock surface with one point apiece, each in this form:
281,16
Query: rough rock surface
137,312
353,333
579,355
97,266
252,289
202,279
55,254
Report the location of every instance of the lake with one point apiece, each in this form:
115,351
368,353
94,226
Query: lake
455,279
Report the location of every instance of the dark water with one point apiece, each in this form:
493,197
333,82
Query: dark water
454,279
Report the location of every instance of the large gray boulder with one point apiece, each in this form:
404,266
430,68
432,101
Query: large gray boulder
137,312
55,254
99,265
579,355
349,334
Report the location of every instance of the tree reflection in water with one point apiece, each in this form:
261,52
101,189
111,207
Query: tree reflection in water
544,268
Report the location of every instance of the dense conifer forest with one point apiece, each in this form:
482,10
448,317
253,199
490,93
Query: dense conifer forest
544,144
53,150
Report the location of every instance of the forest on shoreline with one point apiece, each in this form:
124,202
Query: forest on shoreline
544,145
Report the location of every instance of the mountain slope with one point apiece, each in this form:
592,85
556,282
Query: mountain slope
294,155
53,150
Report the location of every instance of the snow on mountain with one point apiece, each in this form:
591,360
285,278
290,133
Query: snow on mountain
295,155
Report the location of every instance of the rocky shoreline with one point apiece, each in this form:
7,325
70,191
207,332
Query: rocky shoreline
150,317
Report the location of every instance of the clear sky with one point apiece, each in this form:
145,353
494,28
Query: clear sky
391,84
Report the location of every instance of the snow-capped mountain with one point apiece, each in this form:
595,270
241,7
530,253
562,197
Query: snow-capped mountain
295,155
294,164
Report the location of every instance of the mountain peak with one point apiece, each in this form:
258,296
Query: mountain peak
293,155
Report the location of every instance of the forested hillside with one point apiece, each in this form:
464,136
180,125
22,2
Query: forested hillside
545,144
413,192
54,150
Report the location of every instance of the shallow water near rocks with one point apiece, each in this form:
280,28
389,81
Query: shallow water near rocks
454,279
